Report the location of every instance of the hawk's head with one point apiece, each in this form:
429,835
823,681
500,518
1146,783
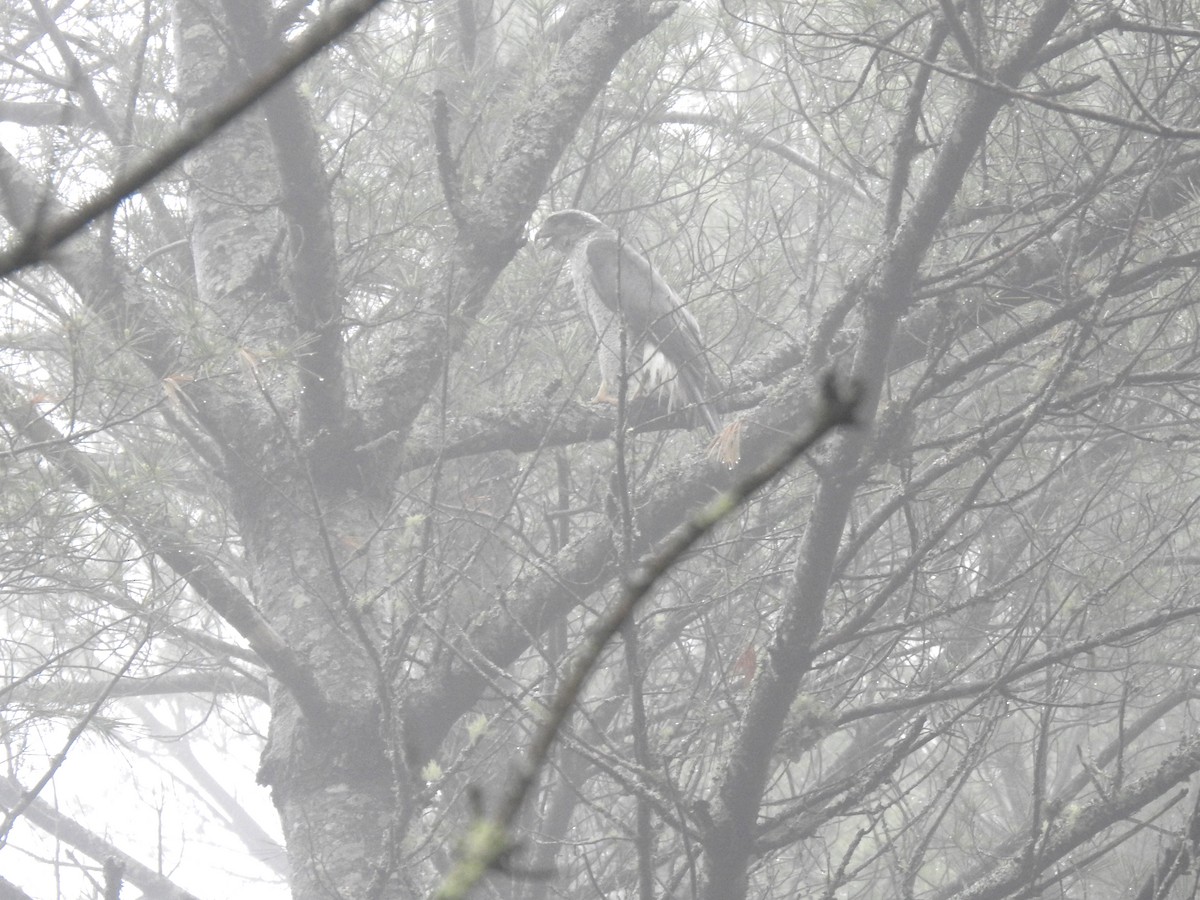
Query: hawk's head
563,229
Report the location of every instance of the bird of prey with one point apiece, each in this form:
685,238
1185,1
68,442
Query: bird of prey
629,302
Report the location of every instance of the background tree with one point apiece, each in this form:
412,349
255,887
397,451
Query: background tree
298,462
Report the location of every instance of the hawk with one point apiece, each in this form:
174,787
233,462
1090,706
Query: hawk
619,288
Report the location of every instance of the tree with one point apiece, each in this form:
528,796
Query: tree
296,437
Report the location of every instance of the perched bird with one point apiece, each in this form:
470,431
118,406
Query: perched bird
664,348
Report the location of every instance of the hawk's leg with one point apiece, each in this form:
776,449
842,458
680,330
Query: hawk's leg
604,395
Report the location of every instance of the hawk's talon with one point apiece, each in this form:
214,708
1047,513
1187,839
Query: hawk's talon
603,396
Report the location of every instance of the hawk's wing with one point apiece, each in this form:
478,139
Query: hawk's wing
626,283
